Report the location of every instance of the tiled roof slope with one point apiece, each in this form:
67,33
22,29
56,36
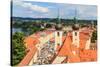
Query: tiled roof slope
82,53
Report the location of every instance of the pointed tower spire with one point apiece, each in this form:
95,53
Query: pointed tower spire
58,17
75,17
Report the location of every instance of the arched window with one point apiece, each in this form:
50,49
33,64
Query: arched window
75,33
58,44
58,33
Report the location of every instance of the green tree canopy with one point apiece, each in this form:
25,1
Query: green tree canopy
94,37
18,48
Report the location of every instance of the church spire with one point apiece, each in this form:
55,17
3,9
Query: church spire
58,17
75,17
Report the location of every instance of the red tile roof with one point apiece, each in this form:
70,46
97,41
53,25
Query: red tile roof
68,47
88,55
73,59
26,60
65,49
29,41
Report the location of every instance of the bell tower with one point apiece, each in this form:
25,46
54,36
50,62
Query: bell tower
58,32
75,32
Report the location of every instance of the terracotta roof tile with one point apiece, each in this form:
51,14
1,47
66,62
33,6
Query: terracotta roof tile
31,41
28,57
88,55
65,48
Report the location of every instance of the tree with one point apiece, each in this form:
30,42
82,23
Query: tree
94,37
18,48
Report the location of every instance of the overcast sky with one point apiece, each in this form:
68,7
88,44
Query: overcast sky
50,10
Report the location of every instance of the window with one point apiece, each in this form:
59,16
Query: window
58,44
75,33
58,33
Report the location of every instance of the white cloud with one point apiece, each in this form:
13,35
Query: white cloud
66,10
87,11
30,6
83,11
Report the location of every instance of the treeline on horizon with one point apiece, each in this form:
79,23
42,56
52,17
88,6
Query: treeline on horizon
51,20
28,18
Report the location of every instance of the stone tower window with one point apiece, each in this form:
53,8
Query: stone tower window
58,33
75,33
58,44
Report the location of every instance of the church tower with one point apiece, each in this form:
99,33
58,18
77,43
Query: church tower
75,32
58,32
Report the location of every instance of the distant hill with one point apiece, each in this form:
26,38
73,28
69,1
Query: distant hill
68,21
28,18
